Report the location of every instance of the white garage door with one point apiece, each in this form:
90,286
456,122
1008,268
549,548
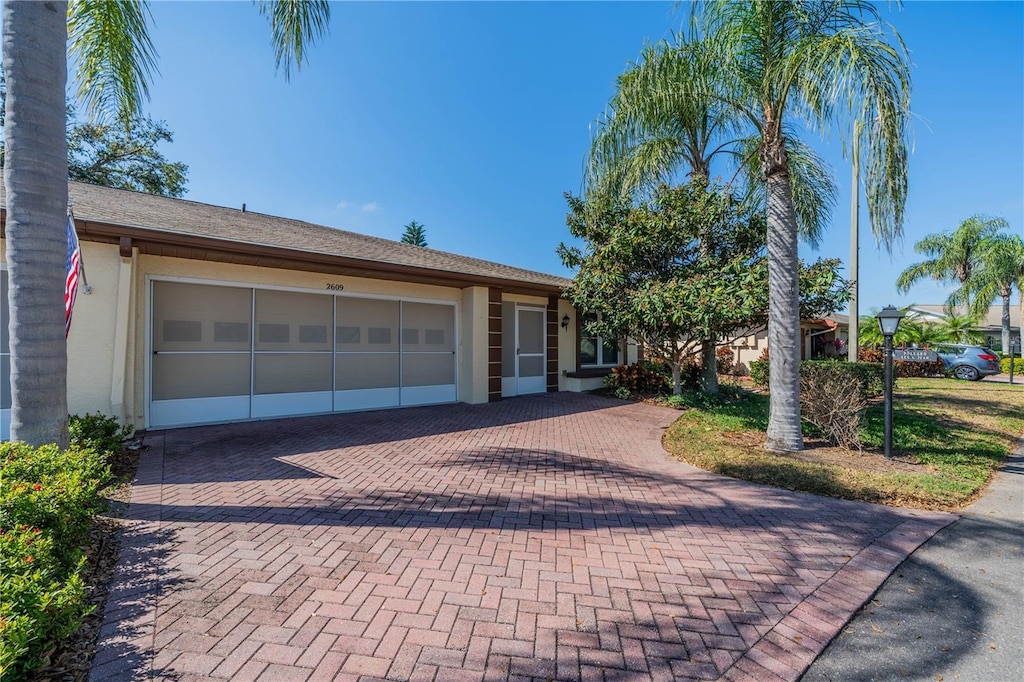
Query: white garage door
223,353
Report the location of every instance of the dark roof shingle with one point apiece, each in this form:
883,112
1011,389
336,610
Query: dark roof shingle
93,203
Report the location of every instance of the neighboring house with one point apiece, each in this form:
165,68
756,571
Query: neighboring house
825,337
203,314
991,325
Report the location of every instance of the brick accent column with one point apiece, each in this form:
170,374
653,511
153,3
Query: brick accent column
554,324
493,344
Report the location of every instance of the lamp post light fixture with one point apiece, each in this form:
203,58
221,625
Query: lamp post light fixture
888,322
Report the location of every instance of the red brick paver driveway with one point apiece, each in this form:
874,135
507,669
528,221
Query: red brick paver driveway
547,537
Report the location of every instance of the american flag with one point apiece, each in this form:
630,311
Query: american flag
73,267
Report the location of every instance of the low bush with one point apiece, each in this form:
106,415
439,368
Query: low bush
869,355
906,369
726,361
833,403
1018,365
868,375
645,377
97,432
759,373
47,501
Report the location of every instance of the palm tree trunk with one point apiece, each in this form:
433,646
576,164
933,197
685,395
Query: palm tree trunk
708,367
783,434
35,175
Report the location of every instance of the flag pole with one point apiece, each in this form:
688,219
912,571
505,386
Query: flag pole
86,289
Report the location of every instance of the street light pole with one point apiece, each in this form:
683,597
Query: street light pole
887,352
888,322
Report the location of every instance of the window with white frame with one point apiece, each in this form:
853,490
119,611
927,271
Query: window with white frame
596,351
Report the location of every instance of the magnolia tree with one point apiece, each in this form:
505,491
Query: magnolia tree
686,266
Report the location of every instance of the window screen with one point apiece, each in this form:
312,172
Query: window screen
186,317
421,321
366,324
428,369
281,315
356,371
200,375
292,373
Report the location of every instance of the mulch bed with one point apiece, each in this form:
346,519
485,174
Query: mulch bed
72,660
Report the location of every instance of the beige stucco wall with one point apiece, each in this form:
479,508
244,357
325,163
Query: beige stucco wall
473,343
92,336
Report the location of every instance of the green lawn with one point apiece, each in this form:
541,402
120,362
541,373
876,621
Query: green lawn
948,435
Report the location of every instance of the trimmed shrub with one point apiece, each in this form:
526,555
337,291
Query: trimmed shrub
869,355
645,377
903,368
832,402
868,375
726,360
98,432
759,373
1018,365
47,501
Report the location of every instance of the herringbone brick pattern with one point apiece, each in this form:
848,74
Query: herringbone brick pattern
547,537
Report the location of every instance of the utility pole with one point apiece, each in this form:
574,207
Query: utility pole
853,343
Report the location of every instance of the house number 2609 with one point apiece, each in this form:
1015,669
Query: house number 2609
334,286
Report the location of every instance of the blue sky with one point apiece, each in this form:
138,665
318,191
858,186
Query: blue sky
473,118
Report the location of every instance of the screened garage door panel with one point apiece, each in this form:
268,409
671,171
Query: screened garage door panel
224,353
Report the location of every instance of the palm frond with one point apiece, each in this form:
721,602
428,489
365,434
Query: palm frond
113,56
295,25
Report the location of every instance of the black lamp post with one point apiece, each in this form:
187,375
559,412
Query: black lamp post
888,322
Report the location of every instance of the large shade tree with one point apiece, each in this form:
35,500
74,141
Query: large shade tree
109,45
827,64
663,120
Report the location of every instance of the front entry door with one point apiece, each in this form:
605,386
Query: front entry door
531,355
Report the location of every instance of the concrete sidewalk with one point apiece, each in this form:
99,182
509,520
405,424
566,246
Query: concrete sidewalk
953,610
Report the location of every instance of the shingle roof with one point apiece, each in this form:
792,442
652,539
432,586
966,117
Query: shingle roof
93,203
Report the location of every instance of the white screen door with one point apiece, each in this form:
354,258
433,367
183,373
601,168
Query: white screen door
531,358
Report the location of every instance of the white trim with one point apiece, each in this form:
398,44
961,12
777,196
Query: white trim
188,411
429,395
367,399
290,404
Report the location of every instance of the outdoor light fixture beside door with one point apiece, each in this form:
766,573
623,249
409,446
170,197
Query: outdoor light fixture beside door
888,322
565,322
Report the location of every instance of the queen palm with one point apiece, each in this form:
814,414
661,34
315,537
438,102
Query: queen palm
663,120
951,256
108,42
826,63
1001,270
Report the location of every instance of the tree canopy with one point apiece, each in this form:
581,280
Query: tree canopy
685,266
415,234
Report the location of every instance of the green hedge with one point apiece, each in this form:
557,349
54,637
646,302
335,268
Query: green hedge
1018,366
47,502
870,375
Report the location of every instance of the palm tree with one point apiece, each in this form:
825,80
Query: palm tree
109,43
1001,270
962,328
952,256
414,234
663,120
827,63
